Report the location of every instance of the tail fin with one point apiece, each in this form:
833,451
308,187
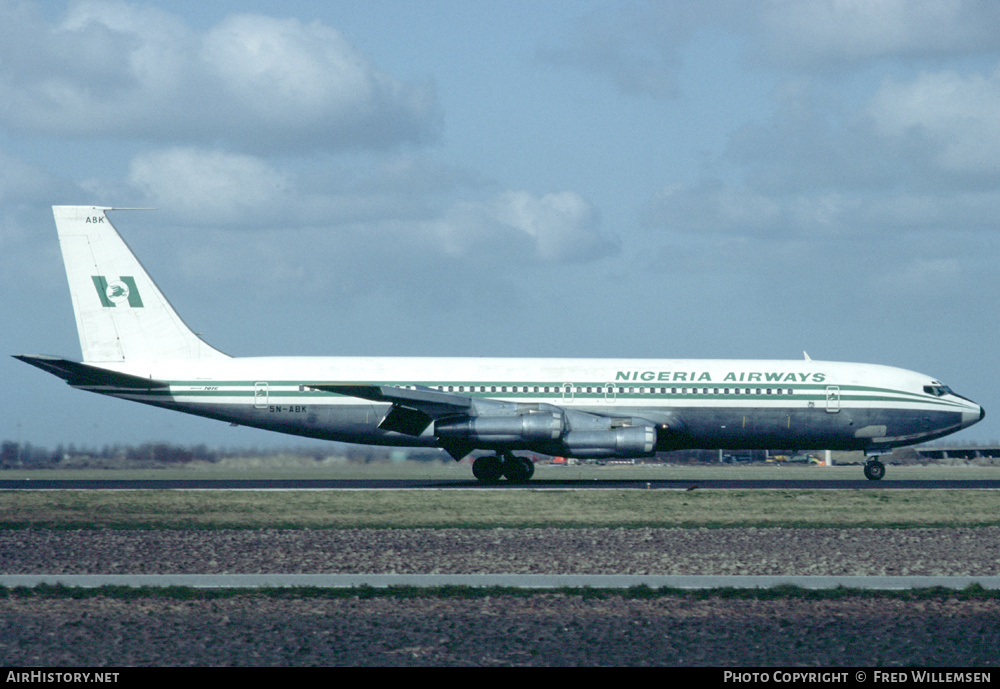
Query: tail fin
120,312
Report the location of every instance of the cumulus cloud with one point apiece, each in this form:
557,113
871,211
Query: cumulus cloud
641,47
922,152
959,115
255,82
810,32
635,46
558,227
308,77
714,208
210,186
241,191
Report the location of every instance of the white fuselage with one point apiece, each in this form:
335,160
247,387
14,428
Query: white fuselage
705,403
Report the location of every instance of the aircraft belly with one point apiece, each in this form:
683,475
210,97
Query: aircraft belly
704,427
848,429
352,423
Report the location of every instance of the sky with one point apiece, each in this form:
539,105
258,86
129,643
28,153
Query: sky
670,179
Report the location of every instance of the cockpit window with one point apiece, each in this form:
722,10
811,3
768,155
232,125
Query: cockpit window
938,390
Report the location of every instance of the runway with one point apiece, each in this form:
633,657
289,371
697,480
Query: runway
515,581
472,484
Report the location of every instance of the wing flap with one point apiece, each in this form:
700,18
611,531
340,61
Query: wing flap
403,420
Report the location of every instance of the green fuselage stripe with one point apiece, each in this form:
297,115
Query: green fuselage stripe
554,392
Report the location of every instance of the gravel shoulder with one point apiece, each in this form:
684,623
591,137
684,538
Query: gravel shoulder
758,551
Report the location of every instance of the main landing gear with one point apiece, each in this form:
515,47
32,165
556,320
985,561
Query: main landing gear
503,464
874,469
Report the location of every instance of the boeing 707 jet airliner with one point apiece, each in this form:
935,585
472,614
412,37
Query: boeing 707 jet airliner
137,348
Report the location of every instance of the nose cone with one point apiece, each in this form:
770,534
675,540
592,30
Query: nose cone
972,416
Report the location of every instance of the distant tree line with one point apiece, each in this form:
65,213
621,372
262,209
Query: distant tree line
27,456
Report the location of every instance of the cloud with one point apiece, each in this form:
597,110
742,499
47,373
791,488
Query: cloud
638,46
959,115
111,69
921,152
557,227
210,186
620,49
308,78
641,47
241,192
713,208
814,33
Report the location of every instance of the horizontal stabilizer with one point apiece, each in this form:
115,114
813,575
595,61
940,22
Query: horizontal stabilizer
85,375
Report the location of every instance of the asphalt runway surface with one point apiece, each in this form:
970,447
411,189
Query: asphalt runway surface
523,581
441,484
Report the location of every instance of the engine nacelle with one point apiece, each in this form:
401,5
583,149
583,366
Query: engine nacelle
493,430
627,441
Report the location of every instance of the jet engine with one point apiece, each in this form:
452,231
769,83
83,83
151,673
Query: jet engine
626,441
489,431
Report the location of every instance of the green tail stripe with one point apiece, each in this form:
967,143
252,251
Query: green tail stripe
134,300
102,290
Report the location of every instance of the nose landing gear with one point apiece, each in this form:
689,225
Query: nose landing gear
874,469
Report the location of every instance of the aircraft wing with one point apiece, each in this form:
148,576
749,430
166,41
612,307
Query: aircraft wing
85,375
463,423
388,393
413,409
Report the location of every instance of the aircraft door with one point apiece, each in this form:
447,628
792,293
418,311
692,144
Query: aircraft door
260,395
832,399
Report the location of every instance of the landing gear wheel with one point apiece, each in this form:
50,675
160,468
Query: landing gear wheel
517,469
531,467
487,469
874,470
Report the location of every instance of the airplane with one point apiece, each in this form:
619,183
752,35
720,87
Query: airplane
136,347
